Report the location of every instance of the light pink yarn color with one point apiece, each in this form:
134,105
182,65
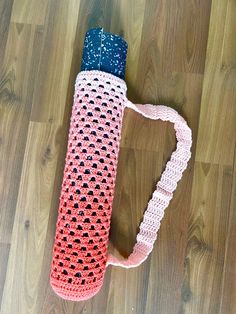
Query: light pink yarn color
165,187
80,254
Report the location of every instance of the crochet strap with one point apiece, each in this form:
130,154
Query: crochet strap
164,188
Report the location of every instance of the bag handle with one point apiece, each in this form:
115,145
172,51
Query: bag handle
164,188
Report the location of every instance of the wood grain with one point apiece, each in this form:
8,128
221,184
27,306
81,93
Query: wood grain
217,127
31,219
228,285
181,54
49,99
29,12
16,100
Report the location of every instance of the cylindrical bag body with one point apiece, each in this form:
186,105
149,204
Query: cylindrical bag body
80,254
80,249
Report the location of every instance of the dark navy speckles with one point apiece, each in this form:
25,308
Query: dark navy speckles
104,51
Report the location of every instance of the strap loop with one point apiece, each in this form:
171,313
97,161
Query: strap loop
165,187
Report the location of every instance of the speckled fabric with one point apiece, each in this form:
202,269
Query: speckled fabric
105,52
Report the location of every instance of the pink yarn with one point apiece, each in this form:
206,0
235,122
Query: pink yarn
81,240
80,253
165,187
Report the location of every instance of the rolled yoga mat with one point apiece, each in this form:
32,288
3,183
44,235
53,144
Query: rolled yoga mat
80,255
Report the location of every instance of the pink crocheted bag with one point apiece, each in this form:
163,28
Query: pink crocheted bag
80,254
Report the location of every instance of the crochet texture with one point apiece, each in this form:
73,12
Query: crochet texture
80,254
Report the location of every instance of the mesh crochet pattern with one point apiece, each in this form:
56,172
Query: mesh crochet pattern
80,250
80,254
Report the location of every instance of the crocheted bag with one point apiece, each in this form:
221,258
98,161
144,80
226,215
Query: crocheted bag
80,254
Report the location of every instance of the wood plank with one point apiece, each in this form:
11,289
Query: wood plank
29,11
16,92
5,14
127,21
171,41
124,286
169,75
133,191
217,128
189,32
207,233
55,62
131,198
31,220
4,249
228,296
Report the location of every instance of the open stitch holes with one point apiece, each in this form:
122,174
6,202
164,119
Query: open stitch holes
80,249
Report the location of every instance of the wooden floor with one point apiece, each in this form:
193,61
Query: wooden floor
182,54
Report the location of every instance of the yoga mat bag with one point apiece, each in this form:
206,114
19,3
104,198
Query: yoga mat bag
80,254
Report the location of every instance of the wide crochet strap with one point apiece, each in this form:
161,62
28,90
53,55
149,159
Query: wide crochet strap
164,188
